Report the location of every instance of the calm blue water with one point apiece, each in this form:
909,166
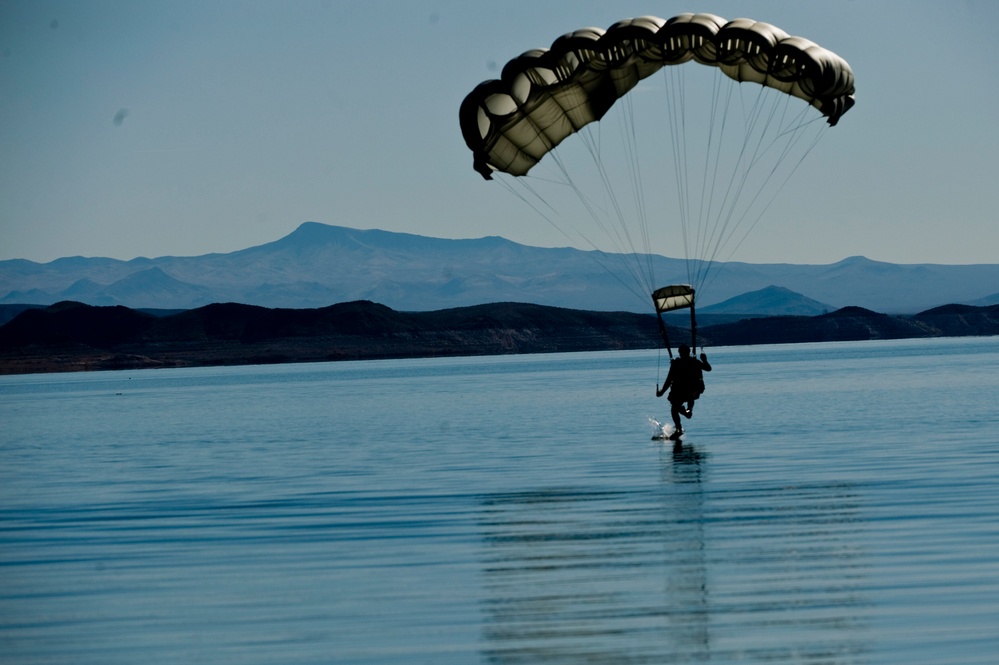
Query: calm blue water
834,503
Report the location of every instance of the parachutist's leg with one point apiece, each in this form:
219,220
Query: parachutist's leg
675,412
690,409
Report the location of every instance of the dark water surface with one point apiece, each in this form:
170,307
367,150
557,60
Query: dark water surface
834,503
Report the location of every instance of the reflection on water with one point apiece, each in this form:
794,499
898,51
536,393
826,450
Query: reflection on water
560,576
686,599
674,574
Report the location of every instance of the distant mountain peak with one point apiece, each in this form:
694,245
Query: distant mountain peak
390,247
772,300
311,233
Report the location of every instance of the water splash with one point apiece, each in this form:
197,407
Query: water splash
660,430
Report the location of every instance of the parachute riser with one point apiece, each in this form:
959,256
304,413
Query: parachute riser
669,298
693,331
664,334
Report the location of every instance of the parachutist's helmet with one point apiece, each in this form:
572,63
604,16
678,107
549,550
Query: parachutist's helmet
684,350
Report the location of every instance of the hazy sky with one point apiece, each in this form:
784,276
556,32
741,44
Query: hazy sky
139,128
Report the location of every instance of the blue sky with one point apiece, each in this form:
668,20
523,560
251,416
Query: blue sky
137,128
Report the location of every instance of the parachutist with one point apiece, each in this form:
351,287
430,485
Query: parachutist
685,382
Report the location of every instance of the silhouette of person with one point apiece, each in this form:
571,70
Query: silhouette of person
685,382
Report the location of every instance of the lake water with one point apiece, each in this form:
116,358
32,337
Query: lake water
832,503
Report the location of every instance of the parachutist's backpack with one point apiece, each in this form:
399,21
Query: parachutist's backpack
698,386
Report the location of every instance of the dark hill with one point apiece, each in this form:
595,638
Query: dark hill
846,324
74,323
70,336
955,320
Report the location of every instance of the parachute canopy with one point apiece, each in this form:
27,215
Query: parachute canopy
675,296
545,95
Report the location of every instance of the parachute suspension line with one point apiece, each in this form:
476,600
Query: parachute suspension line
675,107
522,182
768,131
822,128
624,241
621,244
618,234
708,185
510,188
742,166
698,226
711,158
630,140
716,230
792,132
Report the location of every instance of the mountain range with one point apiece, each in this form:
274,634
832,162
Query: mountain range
318,265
